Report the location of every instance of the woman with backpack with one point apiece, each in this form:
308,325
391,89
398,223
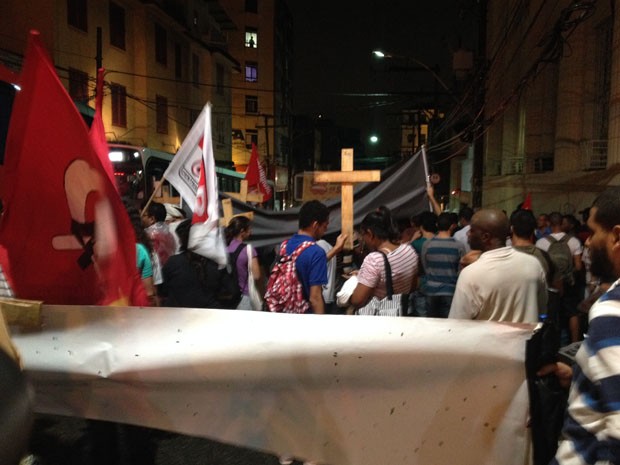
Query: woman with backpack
237,232
389,265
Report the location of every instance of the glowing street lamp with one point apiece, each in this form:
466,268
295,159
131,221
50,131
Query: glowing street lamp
373,139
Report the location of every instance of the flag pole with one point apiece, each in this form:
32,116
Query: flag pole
150,200
426,175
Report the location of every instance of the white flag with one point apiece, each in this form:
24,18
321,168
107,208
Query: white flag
205,237
184,169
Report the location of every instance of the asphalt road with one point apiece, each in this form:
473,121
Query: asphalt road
71,441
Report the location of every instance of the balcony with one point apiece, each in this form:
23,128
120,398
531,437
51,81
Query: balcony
594,154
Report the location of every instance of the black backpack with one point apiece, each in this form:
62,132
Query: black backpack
229,294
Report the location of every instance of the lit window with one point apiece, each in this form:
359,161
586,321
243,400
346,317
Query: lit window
251,37
251,71
251,104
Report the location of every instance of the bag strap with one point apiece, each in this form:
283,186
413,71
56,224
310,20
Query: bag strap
236,253
388,276
249,252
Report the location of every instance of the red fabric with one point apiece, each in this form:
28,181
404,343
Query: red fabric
97,132
255,176
527,203
201,213
60,203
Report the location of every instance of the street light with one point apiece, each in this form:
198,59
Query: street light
373,139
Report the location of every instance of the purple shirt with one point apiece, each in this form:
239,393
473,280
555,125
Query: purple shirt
242,263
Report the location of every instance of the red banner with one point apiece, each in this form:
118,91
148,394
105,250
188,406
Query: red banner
67,235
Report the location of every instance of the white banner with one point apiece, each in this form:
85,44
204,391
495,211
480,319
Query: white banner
343,390
184,169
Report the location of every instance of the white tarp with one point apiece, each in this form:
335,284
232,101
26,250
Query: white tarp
343,390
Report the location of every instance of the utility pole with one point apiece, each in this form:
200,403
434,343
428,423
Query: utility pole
478,166
99,56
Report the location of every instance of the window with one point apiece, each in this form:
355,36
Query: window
219,79
193,116
251,6
178,61
251,104
161,50
119,105
78,85
251,137
251,37
220,126
117,26
77,14
251,71
195,69
162,114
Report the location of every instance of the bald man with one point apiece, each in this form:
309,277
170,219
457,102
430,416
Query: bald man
503,284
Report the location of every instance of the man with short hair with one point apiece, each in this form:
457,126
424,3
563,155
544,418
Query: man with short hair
570,292
311,264
503,284
591,428
542,226
441,256
465,215
163,241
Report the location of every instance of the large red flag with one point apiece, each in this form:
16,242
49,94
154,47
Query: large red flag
255,176
97,131
66,233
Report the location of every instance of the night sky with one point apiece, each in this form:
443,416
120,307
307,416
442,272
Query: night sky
336,76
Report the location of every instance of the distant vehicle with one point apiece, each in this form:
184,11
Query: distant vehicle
138,170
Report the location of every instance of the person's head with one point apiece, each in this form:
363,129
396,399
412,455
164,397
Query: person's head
155,213
489,229
604,243
406,229
445,221
542,221
555,221
182,232
465,215
136,222
523,224
239,227
570,224
428,222
314,219
378,227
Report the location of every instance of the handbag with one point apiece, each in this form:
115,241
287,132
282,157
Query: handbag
256,300
390,305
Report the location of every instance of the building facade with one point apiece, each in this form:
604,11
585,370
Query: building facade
164,59
261,93
552,105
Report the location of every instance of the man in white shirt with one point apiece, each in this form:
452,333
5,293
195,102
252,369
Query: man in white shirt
465,215
503,284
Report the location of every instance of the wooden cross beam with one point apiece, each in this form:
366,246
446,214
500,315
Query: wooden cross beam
347,177
243,194
228,213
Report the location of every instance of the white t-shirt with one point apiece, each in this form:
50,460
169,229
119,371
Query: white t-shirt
329,289
461,236
502,285
573,243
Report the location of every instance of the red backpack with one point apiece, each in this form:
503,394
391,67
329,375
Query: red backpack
284,291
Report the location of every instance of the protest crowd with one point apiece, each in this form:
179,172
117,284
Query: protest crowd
488,264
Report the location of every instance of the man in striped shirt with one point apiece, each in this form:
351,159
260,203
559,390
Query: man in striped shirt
592,426
441,256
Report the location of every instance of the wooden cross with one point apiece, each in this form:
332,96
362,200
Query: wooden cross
227,208
243,194
347,177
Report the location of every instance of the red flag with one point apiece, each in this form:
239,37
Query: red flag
97,131
65,230
527,203
255,176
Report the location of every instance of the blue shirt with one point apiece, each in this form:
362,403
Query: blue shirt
311,265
